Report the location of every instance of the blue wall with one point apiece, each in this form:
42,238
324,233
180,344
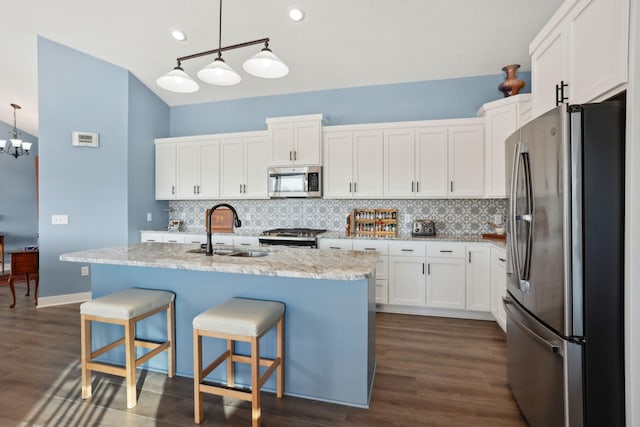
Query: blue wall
18,205
91,185
429,100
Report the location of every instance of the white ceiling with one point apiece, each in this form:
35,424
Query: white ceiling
340,43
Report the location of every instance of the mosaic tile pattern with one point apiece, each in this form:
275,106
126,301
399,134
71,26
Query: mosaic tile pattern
454,216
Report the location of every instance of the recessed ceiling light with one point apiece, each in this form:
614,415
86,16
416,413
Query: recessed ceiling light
178,35
296,15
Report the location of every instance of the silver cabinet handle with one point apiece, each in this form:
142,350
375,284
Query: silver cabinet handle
295,155
290,156
451,186
428,269
244,188
198,188
406,250
469,257
173,189
350,188
417,186
369,249
549,346
446,251
245,244
241,188
355,187
334,247
194,190
502,260
412,187
423,268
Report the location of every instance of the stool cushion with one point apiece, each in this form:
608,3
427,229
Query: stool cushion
127,304
240,316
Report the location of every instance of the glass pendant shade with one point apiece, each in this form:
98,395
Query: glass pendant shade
17,143
178,81
3,143
266,65
219,73
26,146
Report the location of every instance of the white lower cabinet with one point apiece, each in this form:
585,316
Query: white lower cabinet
498,285
382,266
478,278
248,241
446,276
343,244
407,273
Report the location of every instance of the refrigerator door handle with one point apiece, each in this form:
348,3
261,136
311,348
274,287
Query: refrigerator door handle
552,348
512,213
528,217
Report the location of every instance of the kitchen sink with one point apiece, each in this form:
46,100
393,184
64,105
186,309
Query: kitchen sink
239,252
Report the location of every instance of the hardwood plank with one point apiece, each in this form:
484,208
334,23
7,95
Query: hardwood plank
430,371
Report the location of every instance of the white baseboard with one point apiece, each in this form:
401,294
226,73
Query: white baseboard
63,299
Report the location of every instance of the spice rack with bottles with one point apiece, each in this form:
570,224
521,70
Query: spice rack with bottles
373,222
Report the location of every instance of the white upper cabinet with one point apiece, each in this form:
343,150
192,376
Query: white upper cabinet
165,170
295,140
445,159
502,118
353,164
243,167
466,161
585,45
198,170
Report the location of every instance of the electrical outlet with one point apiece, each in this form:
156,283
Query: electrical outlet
407,217
497,219
84,270
149,217
59,219
247,216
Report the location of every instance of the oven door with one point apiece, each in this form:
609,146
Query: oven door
290,243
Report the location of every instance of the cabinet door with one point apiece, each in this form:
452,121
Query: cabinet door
446,283
151,236
307,138
256,164
281,136
231,168
431,162
399,164
368,164
548,67
338,169
188,170
382,291
466,161
498,285
165,171
406,280
598,47
209,167
500,123
478,278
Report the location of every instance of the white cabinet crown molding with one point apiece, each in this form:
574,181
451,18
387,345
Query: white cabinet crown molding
303,118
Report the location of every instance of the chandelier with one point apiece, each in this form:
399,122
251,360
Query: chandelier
263,64
15,146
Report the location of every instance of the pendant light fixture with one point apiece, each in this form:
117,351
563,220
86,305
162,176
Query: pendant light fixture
15,146
264,64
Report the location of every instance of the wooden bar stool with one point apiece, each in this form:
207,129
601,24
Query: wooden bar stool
126,308
238,319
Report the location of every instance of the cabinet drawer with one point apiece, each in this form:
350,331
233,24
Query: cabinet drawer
173,238
344,244
251,241
407,248
448,250
371,245
382,292
195,238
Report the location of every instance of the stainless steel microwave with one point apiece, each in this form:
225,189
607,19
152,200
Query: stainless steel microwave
302,181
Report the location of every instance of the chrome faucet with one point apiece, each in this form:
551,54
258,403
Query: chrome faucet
236,222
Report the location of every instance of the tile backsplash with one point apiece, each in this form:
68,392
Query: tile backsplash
452,216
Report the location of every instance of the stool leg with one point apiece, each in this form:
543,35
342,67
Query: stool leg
130,360
255,379
85,334
230,379
197,376
35,292
280,356
171,337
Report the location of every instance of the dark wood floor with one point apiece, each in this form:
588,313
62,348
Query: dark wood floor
430,372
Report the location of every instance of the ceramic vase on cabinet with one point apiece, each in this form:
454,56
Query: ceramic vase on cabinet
511,85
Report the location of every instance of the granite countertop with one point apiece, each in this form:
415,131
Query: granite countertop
285,262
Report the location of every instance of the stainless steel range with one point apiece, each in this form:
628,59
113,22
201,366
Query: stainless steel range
292,237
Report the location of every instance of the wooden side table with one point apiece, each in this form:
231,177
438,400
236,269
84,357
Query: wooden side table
24,263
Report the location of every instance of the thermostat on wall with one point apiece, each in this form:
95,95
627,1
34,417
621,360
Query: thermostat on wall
84,139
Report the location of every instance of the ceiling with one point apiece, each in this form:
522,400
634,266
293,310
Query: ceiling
340,43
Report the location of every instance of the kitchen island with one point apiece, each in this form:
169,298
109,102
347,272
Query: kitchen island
329,317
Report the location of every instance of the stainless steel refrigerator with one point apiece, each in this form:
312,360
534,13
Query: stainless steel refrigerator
565,298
